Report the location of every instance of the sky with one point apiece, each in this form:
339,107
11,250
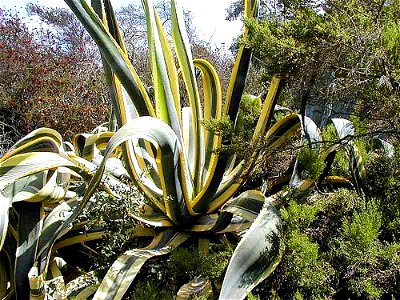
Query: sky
208,16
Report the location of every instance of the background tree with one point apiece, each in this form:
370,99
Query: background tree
340,57
43,83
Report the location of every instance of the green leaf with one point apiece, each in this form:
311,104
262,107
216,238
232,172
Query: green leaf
127,266
29,227
183,52
55,225
256,255
198,287
170,164
39,140
247,205
212,110
162,65
3,279
22,165
4,219
115,56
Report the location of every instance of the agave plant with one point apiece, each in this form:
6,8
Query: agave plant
191,188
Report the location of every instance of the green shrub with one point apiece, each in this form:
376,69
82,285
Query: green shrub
309,159
383,182
335,247
307,270
150,291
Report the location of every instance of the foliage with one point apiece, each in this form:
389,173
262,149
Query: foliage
304,258
338,245
150,291
310,161
190,263
41,84
383,184
339,57
112,215
238,134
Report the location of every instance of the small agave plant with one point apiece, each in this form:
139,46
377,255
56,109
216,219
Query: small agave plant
191,189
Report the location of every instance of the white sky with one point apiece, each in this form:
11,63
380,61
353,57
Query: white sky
208,16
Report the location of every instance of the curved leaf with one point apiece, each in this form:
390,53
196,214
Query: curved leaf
199,287
184,55
128,265
169,159
160,57
115,56
247,205
345,130
212,110
29,227
256,255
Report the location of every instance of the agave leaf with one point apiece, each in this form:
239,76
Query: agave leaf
4,218
115,56
22,165
86,292
16,176
279,133
237,224
8,259
55,225
78,239
170,64
311,132
188,136
336,182
3,279
267,110
48,187
105,12
55,285
39,140
123,108
127,266
212,110
160,57
184,55
170,163
154,219
89,146
206,199
247,205
199,287
146,161
29,227
387,147
256,255
211,223
82,287
241,67
237,174
311,137
345,129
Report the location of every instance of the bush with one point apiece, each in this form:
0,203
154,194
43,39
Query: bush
336,247
45,85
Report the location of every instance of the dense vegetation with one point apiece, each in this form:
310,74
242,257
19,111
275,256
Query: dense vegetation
271,201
